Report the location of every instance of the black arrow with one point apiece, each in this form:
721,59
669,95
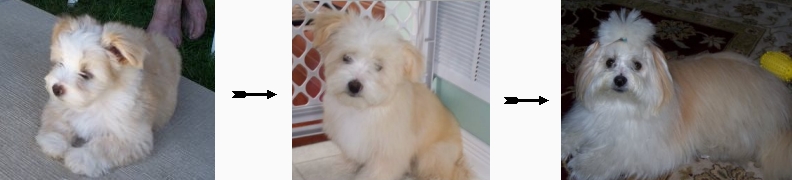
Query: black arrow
514,100
242,94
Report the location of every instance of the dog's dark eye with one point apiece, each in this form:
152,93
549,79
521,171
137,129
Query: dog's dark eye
379,67
347,59
637,65
86,75
609,63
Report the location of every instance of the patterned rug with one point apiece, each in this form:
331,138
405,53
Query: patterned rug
684,28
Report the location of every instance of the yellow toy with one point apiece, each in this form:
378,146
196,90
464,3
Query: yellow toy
777,63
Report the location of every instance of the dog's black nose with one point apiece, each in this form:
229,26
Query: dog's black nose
58,90
354,86
620,81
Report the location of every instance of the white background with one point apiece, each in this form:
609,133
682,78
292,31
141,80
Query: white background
253,135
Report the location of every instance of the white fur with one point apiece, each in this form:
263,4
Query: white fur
109,100
367,50
719,106
393,125
607,124
631,27
360,133
358,125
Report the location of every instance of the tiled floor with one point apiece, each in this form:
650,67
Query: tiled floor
320,161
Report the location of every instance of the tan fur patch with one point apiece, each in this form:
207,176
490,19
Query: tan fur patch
414,66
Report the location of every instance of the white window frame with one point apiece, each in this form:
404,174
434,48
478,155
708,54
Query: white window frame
446,71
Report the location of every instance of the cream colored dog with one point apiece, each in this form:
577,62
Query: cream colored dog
638,115
110,86
375,108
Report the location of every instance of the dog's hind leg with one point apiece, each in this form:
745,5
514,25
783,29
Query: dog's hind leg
775,159
443,161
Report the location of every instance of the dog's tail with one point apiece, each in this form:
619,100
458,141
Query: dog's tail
775,158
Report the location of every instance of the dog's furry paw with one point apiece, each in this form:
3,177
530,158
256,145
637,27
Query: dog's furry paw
586,168
569,145
52,144
82,161
567,152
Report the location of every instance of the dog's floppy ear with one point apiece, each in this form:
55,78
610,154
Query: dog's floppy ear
664,76
584,74
125,43
414,66
325,24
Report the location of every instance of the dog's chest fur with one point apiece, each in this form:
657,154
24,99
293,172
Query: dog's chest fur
105,116
361,133
627,143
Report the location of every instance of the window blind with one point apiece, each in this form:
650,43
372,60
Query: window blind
462,45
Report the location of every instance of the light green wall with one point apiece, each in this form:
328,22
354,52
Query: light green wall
472,113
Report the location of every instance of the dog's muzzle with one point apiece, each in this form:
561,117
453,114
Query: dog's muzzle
354,87
619,82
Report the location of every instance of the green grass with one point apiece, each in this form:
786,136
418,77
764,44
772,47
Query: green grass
198,62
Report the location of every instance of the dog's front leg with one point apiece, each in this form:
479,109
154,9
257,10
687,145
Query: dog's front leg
100,154
571,142
594,164
54,136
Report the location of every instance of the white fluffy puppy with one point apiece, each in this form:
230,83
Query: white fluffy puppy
637,115
110,86
375,108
